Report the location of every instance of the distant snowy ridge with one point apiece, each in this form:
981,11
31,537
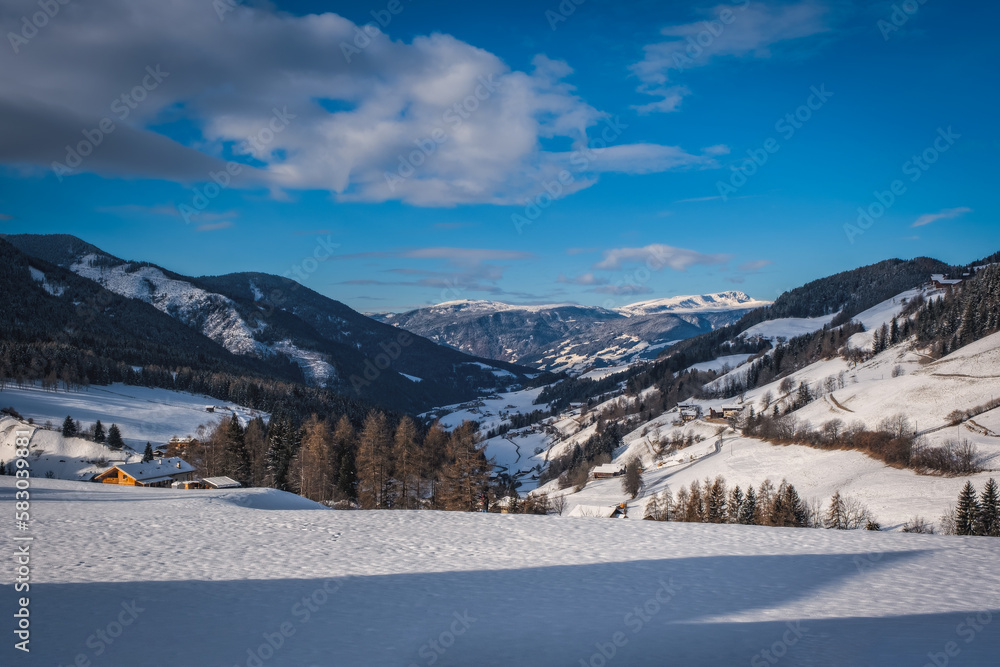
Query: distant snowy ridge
703,303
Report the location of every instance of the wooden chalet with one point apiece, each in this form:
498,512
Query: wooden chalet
158,472
609,470
940,282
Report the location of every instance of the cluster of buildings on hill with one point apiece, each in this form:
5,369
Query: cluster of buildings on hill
163,471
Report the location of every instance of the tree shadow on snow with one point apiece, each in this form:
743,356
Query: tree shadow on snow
560,615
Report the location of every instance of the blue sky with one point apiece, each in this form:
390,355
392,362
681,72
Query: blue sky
601,157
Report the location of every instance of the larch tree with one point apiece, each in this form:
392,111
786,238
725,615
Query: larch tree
748,511
405,457
344,447
466,474
315,464
374,446
255,441
836,516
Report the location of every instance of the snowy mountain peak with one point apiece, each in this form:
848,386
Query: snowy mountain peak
701,303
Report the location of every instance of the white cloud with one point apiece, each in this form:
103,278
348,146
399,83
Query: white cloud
944,214
623,290
583,279
728,30
657,256
755,265
468,126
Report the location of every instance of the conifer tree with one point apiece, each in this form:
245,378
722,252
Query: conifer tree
632,479
316,474
715,501
736,500
967,511
344,447
235,460
988,518
652,509
765,501
99,435
69,427
695,510
748,511
115,441
374,447
147,454
283,441
836,516
466,474
681,504
404,454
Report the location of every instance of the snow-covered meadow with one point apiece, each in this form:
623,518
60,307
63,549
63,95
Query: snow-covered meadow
152,577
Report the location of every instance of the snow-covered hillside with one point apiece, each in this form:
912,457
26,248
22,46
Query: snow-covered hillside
150,577
899,381
212,314
142,414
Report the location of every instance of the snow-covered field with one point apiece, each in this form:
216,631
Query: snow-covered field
153,577
142,413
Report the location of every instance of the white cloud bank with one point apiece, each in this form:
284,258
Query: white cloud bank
434,122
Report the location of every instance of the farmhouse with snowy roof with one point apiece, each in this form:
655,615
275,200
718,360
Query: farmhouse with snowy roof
158,472
940,282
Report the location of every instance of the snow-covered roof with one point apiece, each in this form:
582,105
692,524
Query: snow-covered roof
939,278
609,468
156,469
221,482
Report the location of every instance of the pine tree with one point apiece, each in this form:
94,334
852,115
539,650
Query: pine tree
236,460
748,511
99,435
147,454
967,511
894,332
988,518
69,427
632,479
715,501
115,441
283,443
736,499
